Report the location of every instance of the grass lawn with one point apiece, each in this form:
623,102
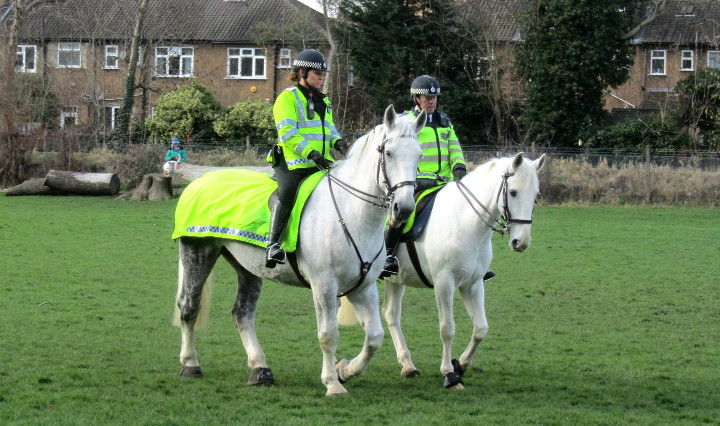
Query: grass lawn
612,316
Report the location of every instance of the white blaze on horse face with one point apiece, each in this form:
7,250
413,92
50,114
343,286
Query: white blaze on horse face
402,154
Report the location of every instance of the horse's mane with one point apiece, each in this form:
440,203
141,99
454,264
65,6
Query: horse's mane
403,125
524,175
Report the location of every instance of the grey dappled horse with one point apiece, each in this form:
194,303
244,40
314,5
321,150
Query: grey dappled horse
381,165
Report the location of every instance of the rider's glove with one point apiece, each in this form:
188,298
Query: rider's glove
459,172
320,160
341,146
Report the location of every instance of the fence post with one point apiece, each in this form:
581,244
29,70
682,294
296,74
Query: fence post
647,174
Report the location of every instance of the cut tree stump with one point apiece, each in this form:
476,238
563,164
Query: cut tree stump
33,187
83,183
153,187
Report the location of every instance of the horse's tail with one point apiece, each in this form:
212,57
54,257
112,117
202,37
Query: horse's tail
346,313
204,314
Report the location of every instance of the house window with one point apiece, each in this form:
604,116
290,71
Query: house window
68,117
686,61
246,63
111,57
484,70
111,115
713,59
284,60
69,55
26,55
657,62
174,61
351,76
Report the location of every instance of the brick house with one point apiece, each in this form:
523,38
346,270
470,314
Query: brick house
684,38
83,48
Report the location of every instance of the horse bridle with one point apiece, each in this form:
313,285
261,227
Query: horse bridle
386,201
506,218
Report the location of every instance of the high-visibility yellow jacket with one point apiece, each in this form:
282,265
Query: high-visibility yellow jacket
441,151
298,135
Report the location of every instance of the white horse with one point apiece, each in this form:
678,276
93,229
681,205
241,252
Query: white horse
338,251
454,253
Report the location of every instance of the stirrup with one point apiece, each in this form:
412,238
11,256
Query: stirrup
275,255
392,267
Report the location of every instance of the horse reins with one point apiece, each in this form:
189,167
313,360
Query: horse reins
506,217
364,266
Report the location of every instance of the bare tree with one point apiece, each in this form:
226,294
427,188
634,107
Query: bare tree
126,109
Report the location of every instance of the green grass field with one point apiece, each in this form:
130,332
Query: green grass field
612,316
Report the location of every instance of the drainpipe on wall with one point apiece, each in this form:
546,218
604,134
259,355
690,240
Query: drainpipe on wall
275,71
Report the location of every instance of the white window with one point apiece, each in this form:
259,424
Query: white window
484,68
284,59
111,57
714,59
26,55
687,62
111,116
246,63
174,61
68,116
351,76
657,62
69,55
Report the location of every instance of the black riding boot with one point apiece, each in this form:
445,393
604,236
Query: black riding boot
488,275
392,236
278,219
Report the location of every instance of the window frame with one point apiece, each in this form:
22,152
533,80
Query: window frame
114,109
285,54
254,54
107,55
22,50
180,53
69,112
662,58
683,59
64,47
716,54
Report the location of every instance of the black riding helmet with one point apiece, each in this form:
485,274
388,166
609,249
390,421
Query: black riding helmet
309,59
425,85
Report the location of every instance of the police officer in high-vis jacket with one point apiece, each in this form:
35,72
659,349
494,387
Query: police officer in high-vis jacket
306,132
442,159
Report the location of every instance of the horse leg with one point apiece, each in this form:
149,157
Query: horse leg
328,334
474,298
392,310
243,312
444,300
365,302
198,258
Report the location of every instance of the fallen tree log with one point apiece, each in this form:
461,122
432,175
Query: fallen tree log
153,187
83,183
33,187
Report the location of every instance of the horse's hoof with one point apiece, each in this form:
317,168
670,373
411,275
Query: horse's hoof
411,373
334,391
458,387
452,379
192,373
261,376
339,367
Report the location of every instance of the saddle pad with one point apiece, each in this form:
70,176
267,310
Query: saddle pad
423,205
233,204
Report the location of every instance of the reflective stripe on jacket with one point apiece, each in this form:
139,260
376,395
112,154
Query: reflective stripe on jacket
441,150
298,135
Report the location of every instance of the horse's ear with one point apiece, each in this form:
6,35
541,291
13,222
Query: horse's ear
420,121
517,162
539,163
389,117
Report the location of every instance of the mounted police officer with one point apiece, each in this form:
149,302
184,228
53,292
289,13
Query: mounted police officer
442,159
306,132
